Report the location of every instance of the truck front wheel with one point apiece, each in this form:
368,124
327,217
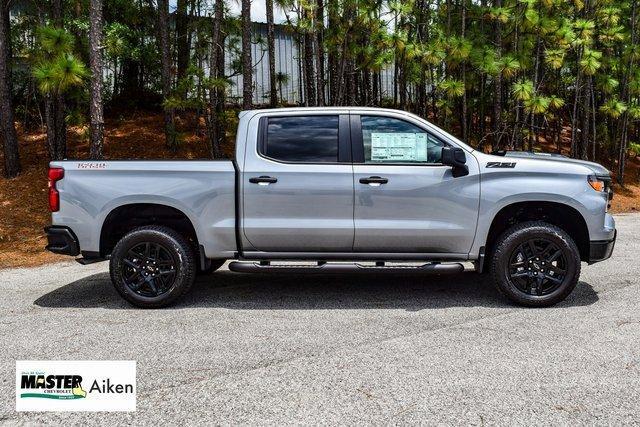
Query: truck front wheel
535,264
152,266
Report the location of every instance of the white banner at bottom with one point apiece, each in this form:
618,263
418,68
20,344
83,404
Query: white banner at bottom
75,385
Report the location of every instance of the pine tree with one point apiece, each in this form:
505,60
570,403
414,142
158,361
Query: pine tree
273,94
7,125
95,53
247,67
165,54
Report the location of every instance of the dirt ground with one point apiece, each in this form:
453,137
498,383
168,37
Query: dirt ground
23,201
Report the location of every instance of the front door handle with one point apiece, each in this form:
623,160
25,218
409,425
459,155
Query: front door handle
374,181
263,180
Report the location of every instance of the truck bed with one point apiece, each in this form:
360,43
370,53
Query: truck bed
203,190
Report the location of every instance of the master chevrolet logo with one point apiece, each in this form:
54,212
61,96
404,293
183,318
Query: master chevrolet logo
52,386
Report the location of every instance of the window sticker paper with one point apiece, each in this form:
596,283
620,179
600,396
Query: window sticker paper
399,147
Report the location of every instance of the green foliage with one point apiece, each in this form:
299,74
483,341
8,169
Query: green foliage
522,91
452,88
117,37
537,104
590,61
57,69
584,31
501,14
54,41
509,66
554,58
555,102
613,108
459,49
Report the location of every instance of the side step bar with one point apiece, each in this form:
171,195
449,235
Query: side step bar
325,268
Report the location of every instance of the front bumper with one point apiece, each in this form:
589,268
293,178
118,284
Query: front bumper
62,240
599,250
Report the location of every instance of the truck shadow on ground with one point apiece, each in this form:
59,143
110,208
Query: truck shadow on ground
229,290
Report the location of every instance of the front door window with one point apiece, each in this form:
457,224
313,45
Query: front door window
388,140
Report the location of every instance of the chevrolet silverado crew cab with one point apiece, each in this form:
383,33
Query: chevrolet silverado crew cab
337,190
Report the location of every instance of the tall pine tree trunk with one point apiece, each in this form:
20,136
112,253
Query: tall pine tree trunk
574,115
55,106
309,69
7,125
247,67
95,55
273,90
333,60
497,89
183,47
165,58
318,41
216,93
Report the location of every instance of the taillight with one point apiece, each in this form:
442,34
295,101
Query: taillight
55,175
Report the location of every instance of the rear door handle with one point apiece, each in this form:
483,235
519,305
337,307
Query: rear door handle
374,181
263,180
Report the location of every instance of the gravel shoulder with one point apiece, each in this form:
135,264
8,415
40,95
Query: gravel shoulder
260,349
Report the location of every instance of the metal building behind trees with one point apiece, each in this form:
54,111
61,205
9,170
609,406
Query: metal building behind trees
289,61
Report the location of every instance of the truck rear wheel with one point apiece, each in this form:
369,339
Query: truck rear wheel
152,266
535,264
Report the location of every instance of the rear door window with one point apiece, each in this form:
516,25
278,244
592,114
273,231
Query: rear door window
301,139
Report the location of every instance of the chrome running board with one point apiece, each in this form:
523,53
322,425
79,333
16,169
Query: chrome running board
334,268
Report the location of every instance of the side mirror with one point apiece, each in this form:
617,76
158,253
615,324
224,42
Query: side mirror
455,158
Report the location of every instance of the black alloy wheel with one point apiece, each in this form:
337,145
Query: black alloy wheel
150,269
537,267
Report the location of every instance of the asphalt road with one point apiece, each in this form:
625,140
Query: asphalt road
277,349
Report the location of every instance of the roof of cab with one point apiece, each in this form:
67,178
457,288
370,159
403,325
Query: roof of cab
316,109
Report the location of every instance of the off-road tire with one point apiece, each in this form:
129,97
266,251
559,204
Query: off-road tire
509,242
179,249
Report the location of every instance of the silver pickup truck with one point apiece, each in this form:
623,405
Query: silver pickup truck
337,190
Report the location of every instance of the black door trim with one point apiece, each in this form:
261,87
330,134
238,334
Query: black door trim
357,146
344,139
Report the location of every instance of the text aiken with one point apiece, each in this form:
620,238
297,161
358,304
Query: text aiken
107,387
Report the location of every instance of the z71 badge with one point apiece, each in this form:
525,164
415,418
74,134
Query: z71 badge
501,164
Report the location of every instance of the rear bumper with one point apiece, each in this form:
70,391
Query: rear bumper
601,249
62,240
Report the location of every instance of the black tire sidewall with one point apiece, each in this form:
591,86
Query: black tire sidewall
180,252
519,234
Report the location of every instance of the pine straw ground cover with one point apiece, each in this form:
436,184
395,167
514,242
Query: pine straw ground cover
24,208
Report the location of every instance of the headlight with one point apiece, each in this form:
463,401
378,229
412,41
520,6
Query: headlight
602,184
596,183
